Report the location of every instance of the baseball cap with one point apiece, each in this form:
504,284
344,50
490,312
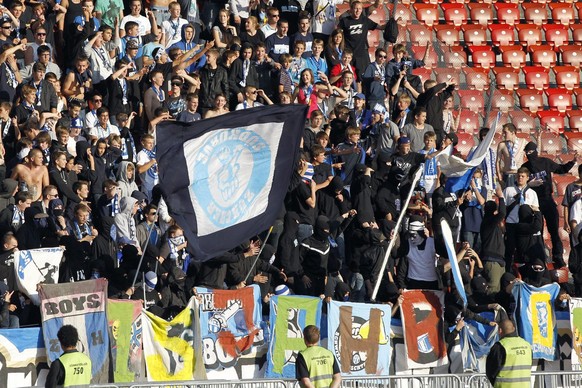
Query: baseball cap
132,45
379,109
403,140
360,96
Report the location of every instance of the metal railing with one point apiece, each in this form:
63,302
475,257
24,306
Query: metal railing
555,379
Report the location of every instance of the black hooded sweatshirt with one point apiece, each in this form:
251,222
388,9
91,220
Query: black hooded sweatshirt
542,168
492,242
530,243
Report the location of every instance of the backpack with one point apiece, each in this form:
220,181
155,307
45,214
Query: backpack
391,29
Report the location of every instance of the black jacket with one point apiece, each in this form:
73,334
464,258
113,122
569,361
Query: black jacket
492,242
211,85
543,168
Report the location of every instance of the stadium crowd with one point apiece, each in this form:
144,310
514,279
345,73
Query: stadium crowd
83,85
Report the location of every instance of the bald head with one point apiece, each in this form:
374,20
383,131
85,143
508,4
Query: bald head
506,327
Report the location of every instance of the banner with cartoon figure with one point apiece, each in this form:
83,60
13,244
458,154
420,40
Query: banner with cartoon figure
359,337
290,314
535,317
173,350
37,266
22,358
125,334
80,304
234,337
422,321
576,324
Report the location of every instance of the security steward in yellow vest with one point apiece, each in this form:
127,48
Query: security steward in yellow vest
72,368
509,361
315,366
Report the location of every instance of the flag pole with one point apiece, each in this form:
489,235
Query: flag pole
143,250
259,254
393,240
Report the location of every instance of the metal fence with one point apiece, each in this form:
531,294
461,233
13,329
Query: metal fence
256,383
556,379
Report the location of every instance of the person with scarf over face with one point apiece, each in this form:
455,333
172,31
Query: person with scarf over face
536,273
148,294
58,225
541,170
287,256
530,243
125,222
34,230
175,296
314,254
445,205
174,249
417,270
361,192
104,158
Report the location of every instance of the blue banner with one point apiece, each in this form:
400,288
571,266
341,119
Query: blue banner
83,305
289,316
536,318
234,336
476,341
359,337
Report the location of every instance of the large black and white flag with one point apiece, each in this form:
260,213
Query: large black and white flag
225,178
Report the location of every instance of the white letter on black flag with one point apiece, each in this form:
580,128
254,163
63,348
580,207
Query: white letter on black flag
224,179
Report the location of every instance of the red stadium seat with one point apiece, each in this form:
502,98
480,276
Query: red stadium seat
402,14
455,14
419,34
567,77
502,100
455,56
556,35
502,34
522,121
474,34
443,75
571,55
476,78
472,100
559,99
574,140
552,120
469,122
447,34
535,13
562,181
578,97
513,56
529,34
427,14
575,120
378,15
577,33
536,77
466,143
550,143
418,53
543,55
507,13
481,13
530,100
504,118
482,56
562,13
506,78
424,73
373,38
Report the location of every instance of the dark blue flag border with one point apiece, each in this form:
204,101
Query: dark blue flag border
174,179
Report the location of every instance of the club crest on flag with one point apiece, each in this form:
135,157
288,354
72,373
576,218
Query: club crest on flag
225,179
231,171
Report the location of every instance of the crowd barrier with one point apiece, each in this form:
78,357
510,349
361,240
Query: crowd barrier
555,379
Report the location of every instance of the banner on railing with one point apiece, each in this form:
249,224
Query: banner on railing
359,337
476,340
576,324
422,321
125,336
289,316
234,336
80,304
535,317
173,350
22,358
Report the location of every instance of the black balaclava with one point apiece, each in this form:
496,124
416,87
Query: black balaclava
321,230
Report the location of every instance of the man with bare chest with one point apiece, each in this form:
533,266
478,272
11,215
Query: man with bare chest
33,175
510,155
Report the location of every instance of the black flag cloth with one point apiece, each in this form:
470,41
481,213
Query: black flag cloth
224,179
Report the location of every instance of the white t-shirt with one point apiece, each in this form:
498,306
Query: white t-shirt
149,178
173,30
101,133
245,105
144,23
531,198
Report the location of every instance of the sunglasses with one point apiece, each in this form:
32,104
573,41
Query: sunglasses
382,56
99,100
274,16
40,34
176,84
153,213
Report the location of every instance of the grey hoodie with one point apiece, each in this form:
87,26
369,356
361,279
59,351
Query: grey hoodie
125,223
126,186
